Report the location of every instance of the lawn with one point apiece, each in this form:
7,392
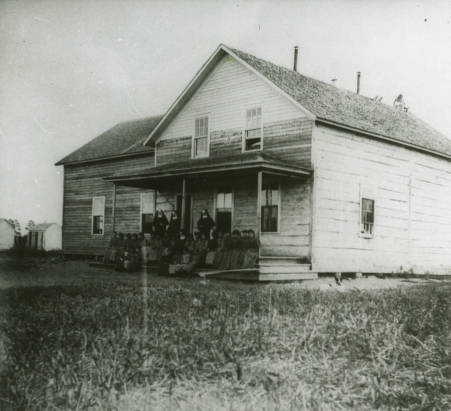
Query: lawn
204,345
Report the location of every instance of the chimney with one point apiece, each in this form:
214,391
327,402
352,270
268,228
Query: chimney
358,82
295,62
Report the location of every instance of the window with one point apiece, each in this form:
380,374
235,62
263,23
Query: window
253,131
224,210
98,215
224,200
367,222
200,143
270,208
147,211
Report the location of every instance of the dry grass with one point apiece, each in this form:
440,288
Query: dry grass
213,346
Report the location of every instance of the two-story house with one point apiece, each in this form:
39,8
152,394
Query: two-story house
329,180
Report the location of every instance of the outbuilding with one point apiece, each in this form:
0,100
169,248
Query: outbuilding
45,236
7,234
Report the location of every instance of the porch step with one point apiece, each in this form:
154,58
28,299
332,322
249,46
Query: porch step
288,276
284,268
271,260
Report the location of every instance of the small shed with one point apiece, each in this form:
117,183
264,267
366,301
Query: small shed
45,236
7,234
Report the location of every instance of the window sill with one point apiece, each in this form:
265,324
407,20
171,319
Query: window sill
200,156
366,235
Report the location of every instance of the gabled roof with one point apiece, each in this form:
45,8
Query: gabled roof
325,103
41,226
201,166
6,221
123,139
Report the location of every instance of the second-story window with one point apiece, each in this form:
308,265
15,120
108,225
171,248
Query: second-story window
200,143
253,132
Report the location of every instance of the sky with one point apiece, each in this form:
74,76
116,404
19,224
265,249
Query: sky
69,70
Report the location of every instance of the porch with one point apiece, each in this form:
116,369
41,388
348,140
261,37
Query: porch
251,191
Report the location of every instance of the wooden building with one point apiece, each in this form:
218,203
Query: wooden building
7,234
329,179
44,236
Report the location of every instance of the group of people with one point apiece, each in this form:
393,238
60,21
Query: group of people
178,252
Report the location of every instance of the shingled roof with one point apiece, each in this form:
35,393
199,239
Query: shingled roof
343,107
209,165
122,139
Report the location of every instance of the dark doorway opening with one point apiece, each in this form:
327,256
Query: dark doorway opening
187,222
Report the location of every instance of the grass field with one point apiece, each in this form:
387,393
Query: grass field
185,344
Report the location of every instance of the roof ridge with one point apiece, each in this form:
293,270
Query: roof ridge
324,83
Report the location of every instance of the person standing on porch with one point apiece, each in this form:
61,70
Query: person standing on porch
173,227
160,222
205,223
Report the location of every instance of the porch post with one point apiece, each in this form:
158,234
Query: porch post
182,214
259,202
113,212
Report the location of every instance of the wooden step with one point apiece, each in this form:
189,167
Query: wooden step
288,277
284,268
270,260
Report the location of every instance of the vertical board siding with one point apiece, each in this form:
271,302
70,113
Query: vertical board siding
411,191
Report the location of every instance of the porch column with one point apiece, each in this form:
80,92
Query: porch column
182,214
113,211
259,202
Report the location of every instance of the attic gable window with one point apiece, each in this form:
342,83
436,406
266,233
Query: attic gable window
98,215
253,132
367,218
201,137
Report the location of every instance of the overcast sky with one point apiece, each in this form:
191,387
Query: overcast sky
71,69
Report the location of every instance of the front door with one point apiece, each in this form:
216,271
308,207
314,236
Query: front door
186,224
224,211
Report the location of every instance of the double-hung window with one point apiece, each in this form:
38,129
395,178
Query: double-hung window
270,208
253,132
98,215
200,142
367,218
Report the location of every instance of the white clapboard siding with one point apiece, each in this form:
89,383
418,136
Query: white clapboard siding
225,94
412,193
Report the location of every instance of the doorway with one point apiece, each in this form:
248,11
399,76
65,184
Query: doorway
224,202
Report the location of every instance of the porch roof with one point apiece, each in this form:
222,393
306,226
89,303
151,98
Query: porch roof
258,161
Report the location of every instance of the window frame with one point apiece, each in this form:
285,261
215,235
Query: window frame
243,137
141,207
279,209
194,138
363,233
97,215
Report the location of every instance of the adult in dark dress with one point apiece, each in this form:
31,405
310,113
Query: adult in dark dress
205,223
160,223
173,228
